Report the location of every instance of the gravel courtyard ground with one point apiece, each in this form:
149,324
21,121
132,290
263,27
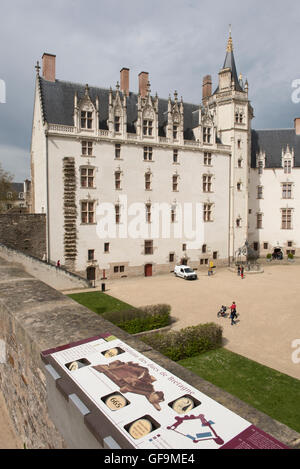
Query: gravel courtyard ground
268,304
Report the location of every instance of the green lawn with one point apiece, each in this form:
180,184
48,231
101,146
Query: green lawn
99,302
269,391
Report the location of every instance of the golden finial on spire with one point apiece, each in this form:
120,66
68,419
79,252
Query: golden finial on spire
229,44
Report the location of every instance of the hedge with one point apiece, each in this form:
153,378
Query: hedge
186,343
142,319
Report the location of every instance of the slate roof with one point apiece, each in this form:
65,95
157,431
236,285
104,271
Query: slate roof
230,63
17,187
58,106
272,142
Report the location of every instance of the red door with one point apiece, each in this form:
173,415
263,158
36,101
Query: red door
148,270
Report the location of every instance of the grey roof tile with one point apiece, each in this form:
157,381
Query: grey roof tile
58,105
272,142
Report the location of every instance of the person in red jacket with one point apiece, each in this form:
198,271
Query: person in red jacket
233,314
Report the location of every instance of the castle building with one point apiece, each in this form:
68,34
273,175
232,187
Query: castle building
94,148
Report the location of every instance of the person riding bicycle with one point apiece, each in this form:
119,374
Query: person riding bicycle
222,311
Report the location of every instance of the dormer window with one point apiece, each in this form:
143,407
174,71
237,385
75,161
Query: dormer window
260,167
175,132
287,166
206,134
86,119
117,123
148,127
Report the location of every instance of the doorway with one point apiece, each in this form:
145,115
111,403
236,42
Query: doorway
148,270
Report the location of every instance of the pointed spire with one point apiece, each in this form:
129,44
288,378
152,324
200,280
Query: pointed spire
229,43
86,92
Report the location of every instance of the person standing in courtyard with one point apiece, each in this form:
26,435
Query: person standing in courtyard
233,314
242,272
239,270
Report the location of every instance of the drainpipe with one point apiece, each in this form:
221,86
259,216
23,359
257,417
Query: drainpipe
47,190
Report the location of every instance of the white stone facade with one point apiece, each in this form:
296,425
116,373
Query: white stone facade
96,146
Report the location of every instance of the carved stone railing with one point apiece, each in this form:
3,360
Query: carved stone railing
62,129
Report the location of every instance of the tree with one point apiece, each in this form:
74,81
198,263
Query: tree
6,179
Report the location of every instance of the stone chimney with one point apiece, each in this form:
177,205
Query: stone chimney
297,125
143,82
49,66
206,87
124,81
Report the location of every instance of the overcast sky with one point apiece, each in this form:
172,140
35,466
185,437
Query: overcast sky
176,41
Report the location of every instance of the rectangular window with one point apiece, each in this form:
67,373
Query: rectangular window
175,156
255,246
116,269
287,165
207,159
106,247
286,219
86,119
175,132
117,151
148,154
173,214
259,192
266,246
239,163
207,183
260,167
86,148
171,257
239,144
259,218
87,212
148,127
148,213
117,214
122,269
290,244
287,191
175,183
184,247
148,181
215,255
148,247
91,254
204,248
117,123
207,212
87,177
118,180
206,134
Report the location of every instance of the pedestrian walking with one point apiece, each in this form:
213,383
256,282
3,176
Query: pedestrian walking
233,314
58,264
242,273
239,270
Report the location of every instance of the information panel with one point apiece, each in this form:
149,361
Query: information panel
148,406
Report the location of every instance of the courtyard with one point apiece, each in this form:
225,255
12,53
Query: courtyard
267,304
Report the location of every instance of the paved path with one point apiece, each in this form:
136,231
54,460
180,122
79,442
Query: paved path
8,439
268,303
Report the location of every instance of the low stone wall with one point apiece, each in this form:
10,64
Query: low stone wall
25,232
57,278
35,317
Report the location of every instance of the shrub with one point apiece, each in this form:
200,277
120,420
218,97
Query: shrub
290,256
269,256
142,319
188,342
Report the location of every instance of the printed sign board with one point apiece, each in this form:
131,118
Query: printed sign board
148,406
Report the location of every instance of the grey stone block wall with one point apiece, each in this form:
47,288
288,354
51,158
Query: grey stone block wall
25,232
35,317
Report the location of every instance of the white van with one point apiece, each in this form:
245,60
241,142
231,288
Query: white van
185,272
